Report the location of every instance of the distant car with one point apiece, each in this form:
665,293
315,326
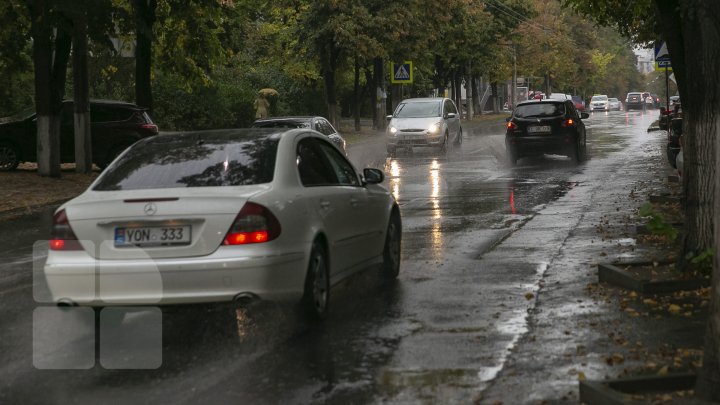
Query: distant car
655,100
115,125
599,103
431,122
674,100
319,124
634,101
545,126
614,104
560,96
211,216
579,103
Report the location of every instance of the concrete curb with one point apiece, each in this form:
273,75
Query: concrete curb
621,391
612,274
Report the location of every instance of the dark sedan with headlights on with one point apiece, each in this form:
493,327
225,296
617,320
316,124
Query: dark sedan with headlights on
546,127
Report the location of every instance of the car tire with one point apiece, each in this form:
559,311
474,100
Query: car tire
459,139
442,149
512,157
316,298
391,251
9,157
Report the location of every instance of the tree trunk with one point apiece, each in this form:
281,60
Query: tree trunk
328,59
495,103
356,110
144,20
81,96
51,52
469,93
695,25
477,110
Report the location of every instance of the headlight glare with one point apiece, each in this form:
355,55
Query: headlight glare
434,128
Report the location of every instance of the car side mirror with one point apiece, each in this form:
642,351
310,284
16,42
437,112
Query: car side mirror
450,115
389,117
373,176
584,115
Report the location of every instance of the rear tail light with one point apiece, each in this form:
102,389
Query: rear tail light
511,125
150,127
62,236
254,224
568,123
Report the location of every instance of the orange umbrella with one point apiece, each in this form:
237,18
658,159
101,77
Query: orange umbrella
268,92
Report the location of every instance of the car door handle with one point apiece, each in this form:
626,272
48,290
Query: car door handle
353,202
324,204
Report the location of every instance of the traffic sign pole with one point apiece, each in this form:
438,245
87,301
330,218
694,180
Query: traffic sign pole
667,90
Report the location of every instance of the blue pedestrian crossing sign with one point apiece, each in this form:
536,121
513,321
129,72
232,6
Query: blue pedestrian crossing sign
402,73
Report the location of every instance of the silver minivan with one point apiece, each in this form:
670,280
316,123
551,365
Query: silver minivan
424,122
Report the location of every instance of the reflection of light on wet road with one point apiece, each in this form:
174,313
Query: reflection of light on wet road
245,324
395,182
512,202
436,233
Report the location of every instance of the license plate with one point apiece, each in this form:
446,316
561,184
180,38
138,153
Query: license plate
153,236
542,128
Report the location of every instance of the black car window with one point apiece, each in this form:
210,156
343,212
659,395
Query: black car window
195,160
539,110
103,113
313,166
343,169
418,109
450,107
572,111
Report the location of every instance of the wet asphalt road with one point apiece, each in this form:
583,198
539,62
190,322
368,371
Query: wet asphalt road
443,330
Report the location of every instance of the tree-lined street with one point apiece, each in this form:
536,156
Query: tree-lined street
482,243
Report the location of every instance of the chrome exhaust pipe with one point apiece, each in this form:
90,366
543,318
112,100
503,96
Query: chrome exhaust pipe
245,298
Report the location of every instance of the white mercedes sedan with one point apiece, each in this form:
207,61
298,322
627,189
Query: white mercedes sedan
245,214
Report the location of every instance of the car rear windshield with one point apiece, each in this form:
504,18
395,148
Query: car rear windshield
539,110
193,160
282,124
418,110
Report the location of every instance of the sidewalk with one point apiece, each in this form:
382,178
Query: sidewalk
579,329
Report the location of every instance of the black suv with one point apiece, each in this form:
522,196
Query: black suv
546,126
115,125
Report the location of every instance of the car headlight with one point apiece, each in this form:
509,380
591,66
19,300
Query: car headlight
392,130
434,128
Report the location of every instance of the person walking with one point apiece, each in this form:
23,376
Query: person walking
262,106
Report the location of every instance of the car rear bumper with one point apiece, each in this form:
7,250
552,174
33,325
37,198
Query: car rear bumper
78,278
532,146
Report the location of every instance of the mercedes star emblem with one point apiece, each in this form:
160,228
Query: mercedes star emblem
150,209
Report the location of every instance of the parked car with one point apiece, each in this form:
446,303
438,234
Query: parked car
655,100
210,216
579,103
115,125
614,104
432,122
634,101
546,126
599,102
319,124
674,100
675,132
560,96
